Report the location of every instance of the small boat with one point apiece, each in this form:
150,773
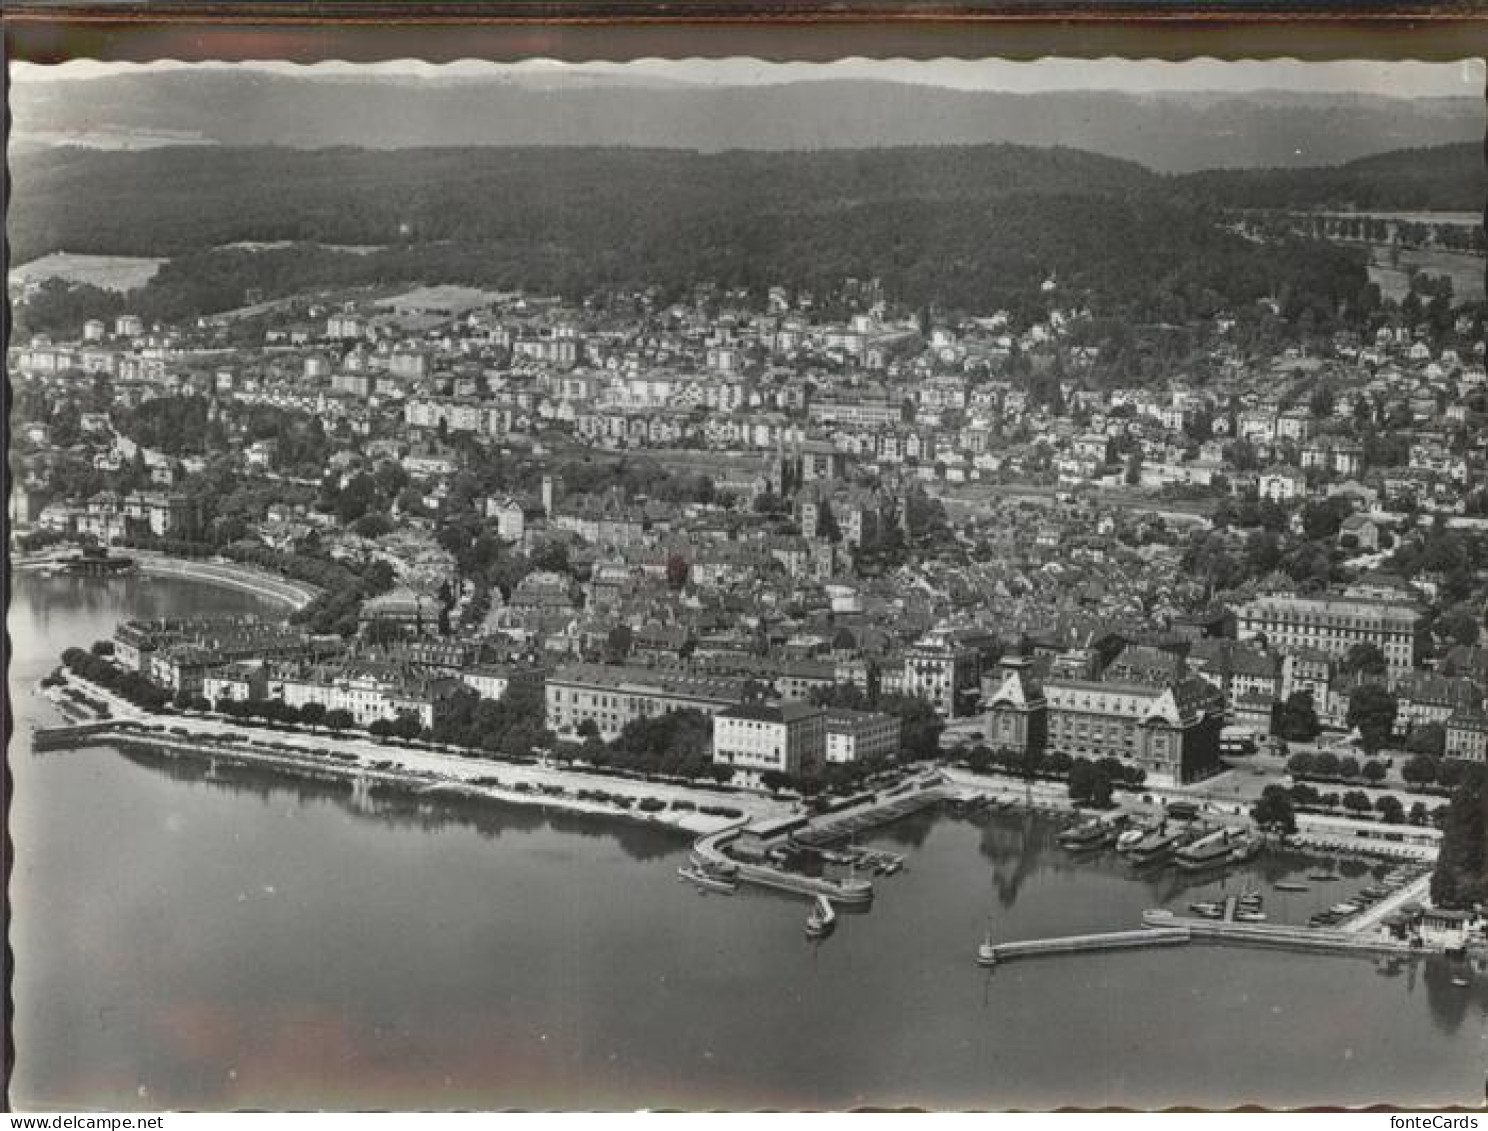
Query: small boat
1207,910
707,881
1290,885
1131,838
1089,836
1247,849
1250,899
986,952
1343,910
1323,877
1460,982
822,919
1250,916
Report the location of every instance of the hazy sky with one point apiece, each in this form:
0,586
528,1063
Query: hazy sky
1406,80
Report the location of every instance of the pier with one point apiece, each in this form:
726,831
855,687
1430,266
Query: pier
1314,939
815,833
1076,944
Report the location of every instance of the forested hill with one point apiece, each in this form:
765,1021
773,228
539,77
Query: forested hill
970,228
1450,178
164,201
1168,132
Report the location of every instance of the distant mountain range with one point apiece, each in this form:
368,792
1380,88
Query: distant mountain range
1164,132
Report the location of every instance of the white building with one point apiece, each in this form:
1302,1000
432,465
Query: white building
756,738
861,736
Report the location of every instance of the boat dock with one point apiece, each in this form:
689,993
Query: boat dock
757,846
1371,917
1075,944
1315,939
835,828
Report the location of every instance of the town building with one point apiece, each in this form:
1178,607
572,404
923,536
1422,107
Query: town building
614,694
754,739
862,737
1333,623
945,667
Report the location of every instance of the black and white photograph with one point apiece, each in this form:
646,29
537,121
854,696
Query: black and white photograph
717,584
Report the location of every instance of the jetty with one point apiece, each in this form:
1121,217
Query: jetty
1280,936
755,849
996,953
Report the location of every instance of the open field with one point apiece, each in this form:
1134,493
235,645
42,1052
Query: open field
111,272
1466,272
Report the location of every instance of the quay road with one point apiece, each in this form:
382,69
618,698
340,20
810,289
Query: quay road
1326,832
456,771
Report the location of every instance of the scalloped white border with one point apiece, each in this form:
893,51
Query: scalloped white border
1465,76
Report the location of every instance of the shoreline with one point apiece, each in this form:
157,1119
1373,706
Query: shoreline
229,575
429,772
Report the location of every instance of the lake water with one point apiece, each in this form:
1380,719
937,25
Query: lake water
197,936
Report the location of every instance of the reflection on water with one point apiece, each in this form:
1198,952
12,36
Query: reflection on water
400,806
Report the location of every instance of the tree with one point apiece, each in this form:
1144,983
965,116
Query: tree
775,780
1357,801
920,725
339,719
677,571
1348,767
617,645
313,714
1419,770
1301,764
1364,659
1081,779
1274,810
1133,474
1325,764
1391,811
1372,710
1296,719
407,725
1321,520
1374,771
1450,772
1459,624
1429,738
1461,875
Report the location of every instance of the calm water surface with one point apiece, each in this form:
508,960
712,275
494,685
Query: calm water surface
197,936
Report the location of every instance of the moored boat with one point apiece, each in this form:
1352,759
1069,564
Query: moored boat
1209,850
1247,848
1088,836
822,919
1250,916
1207,910
707,881
1290,885
1154,849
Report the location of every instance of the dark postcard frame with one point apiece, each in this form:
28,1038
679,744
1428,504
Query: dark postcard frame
45,31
